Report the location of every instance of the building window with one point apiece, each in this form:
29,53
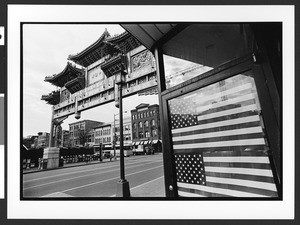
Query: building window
147,134
141,135
153,123
154,133
140,125
134,125
134,135
146,123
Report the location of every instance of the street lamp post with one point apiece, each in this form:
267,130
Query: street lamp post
122,185
115,136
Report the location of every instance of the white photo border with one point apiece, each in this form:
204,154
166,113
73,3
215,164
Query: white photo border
18,209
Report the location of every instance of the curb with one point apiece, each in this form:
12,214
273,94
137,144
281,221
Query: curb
85,164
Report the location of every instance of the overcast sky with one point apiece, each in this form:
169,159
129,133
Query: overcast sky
45,51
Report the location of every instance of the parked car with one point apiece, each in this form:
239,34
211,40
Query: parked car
106,154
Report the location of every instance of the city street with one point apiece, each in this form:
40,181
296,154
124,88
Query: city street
144,174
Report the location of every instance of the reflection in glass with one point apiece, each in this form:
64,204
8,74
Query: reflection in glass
219,143
201,47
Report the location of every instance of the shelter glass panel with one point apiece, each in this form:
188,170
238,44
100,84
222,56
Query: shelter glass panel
219,141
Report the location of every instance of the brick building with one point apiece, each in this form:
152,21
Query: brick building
146,134
81,132
103,136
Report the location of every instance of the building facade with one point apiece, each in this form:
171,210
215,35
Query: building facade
81,132
103,136
65,138
127,133
146,134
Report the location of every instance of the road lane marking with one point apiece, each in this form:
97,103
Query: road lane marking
73,178
103,181
63,174
146,183
142,184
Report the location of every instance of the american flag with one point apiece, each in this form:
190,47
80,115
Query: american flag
219,142
225,174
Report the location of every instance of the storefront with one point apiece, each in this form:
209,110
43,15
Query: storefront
220,108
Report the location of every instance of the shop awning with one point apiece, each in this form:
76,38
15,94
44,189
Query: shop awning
127,144
155,141
133,143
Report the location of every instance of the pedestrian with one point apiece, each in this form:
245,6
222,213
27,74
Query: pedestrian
40,163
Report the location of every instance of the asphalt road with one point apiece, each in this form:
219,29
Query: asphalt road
144,174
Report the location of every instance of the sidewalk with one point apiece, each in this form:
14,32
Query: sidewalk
153,188
67,165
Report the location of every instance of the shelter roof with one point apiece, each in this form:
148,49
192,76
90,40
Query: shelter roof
149,34
69,73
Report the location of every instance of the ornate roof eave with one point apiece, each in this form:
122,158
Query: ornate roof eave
90,48
75,85
114,65
54,79
52,98
102,47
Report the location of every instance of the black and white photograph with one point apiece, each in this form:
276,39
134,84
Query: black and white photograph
219,140
143,116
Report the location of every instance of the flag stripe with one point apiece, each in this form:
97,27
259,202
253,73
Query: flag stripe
222,191
258,172
220,149
218,139
246,189
249,130
240,159
248,119
214,109
241,176
247,142
229,128
230,101
238,165
236,111
228,117
241,182
188,194
183,191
